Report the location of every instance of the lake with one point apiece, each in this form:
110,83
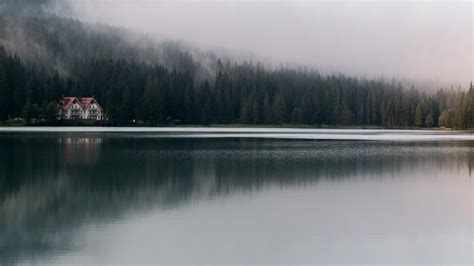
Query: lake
240,196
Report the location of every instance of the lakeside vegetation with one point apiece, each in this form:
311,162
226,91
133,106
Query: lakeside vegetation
139,82
247,94
92,123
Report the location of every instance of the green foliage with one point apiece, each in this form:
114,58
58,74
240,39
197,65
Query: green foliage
35,112
297,116
50,111
27,112
4,94
160,84
429,122
419,116
279,109
443,119
152,94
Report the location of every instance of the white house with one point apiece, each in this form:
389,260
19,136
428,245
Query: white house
80,108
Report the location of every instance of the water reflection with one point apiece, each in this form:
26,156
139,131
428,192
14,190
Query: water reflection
53,184
77,149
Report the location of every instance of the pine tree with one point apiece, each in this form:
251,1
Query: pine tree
5,100
419,116
297,116
429,122
278,109
27,112
51,112
127,109
267,109
442,120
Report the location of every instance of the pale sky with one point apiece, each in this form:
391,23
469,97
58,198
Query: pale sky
403,39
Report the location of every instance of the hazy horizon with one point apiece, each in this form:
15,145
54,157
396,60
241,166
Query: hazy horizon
421,41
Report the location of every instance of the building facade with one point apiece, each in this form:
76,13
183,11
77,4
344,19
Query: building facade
75,108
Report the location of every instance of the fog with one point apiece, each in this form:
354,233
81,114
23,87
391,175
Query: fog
423,41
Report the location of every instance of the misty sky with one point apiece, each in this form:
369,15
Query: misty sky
405,39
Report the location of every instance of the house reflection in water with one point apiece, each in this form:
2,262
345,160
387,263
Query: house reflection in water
75,149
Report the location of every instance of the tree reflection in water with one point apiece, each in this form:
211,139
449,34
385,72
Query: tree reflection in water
52,184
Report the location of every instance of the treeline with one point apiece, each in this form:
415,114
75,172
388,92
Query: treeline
60,43
240,93
136,79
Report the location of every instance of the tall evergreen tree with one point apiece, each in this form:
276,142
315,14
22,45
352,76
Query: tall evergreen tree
5,100
419,116
429,122
278,109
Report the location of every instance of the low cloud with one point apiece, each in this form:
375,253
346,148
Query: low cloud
424,41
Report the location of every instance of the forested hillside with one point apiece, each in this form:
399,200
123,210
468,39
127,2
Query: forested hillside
43,57
60,44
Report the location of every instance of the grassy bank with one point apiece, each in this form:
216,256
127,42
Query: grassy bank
58,123
91,123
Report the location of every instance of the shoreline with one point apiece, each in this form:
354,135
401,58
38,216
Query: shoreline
221,128
316,134
241,126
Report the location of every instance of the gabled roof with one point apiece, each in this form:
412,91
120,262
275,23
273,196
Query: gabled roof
83,102
67,101
86,101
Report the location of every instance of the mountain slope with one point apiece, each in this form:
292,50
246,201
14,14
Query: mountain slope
136,79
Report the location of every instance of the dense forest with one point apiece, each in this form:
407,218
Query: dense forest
43,57
243,93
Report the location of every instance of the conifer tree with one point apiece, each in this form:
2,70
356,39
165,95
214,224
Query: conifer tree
419,116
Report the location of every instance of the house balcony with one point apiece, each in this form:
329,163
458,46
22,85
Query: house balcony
94,112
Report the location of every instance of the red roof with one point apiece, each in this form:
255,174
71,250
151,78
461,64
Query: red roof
65,102
85,101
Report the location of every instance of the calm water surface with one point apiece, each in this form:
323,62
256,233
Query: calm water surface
242,196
